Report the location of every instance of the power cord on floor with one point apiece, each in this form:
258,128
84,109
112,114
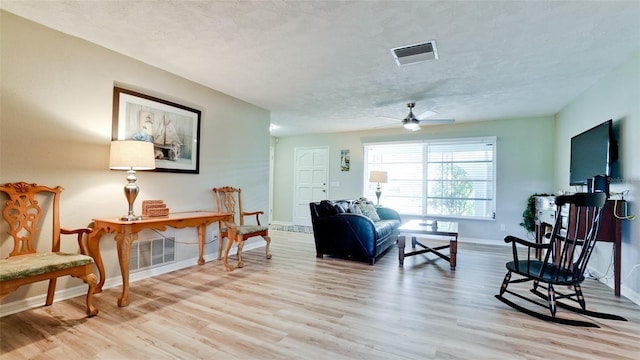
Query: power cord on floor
589,275
630,272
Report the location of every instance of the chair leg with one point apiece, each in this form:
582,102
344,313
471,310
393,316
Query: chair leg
220,240
226,254
505,283
92,281
552,300
267,238
239,253
51,291
579,296
535,285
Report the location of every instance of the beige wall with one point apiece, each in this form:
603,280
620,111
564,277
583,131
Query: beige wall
524,166
617,97
56,122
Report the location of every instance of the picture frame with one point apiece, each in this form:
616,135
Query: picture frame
174,129
345,160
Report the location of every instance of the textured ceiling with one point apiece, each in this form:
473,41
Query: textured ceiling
326,66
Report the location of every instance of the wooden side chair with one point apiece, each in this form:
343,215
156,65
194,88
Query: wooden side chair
22,213
567,254
229,199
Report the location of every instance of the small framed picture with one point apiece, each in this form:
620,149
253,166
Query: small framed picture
344,160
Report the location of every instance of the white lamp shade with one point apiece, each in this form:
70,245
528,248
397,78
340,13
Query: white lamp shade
378,176
132,154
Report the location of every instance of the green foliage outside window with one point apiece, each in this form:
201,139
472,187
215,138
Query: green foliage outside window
455,188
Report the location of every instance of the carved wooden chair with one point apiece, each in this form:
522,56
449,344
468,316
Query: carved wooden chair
23,213
229,199
567,253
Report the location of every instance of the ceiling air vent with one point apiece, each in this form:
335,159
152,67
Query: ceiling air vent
412,54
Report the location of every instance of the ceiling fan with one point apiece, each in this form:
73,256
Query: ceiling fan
412,122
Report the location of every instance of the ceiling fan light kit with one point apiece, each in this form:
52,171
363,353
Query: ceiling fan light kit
411,125
411,122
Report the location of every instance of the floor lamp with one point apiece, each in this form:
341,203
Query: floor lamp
378,177
131,155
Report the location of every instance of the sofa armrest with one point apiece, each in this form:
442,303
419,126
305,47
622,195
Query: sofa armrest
388,214
344,233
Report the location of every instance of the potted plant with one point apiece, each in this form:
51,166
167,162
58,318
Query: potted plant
529,214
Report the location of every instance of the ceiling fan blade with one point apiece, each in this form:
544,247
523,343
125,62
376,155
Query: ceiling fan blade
389,126
388,117
426,114
437,121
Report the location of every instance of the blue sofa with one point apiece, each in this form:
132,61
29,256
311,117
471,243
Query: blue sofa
353,229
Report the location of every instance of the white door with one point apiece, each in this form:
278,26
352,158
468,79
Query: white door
310,183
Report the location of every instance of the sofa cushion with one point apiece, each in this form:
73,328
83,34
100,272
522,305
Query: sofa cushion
385,227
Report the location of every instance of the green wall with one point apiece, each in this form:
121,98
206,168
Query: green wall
524,166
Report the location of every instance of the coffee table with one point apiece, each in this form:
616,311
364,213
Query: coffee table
431,228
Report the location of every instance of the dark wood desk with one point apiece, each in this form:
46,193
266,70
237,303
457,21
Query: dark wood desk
430,228
127,233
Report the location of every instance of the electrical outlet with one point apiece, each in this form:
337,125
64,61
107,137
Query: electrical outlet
502,227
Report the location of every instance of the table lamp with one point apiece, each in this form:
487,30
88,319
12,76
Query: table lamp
378,177
131,155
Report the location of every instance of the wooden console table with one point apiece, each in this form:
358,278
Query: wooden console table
127,233
610,231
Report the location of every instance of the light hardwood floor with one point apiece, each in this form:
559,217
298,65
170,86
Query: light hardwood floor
295,306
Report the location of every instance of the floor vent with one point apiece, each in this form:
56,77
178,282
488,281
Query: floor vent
152,253
415,53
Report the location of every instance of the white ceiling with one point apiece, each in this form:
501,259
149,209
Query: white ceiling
326,66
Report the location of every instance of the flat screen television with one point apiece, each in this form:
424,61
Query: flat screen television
592,154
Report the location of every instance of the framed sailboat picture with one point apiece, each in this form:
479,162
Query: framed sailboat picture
173,129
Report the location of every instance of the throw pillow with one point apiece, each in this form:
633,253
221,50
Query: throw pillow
326,208
355,209
342,207
369,211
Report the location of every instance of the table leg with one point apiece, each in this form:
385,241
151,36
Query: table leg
124,241
220,239
93,243
401,241
202,230
453,251
617,257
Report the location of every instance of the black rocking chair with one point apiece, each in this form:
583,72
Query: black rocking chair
567,253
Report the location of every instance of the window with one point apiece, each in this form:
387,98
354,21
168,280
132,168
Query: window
447,178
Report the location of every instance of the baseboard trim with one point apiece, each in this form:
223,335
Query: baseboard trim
480,241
